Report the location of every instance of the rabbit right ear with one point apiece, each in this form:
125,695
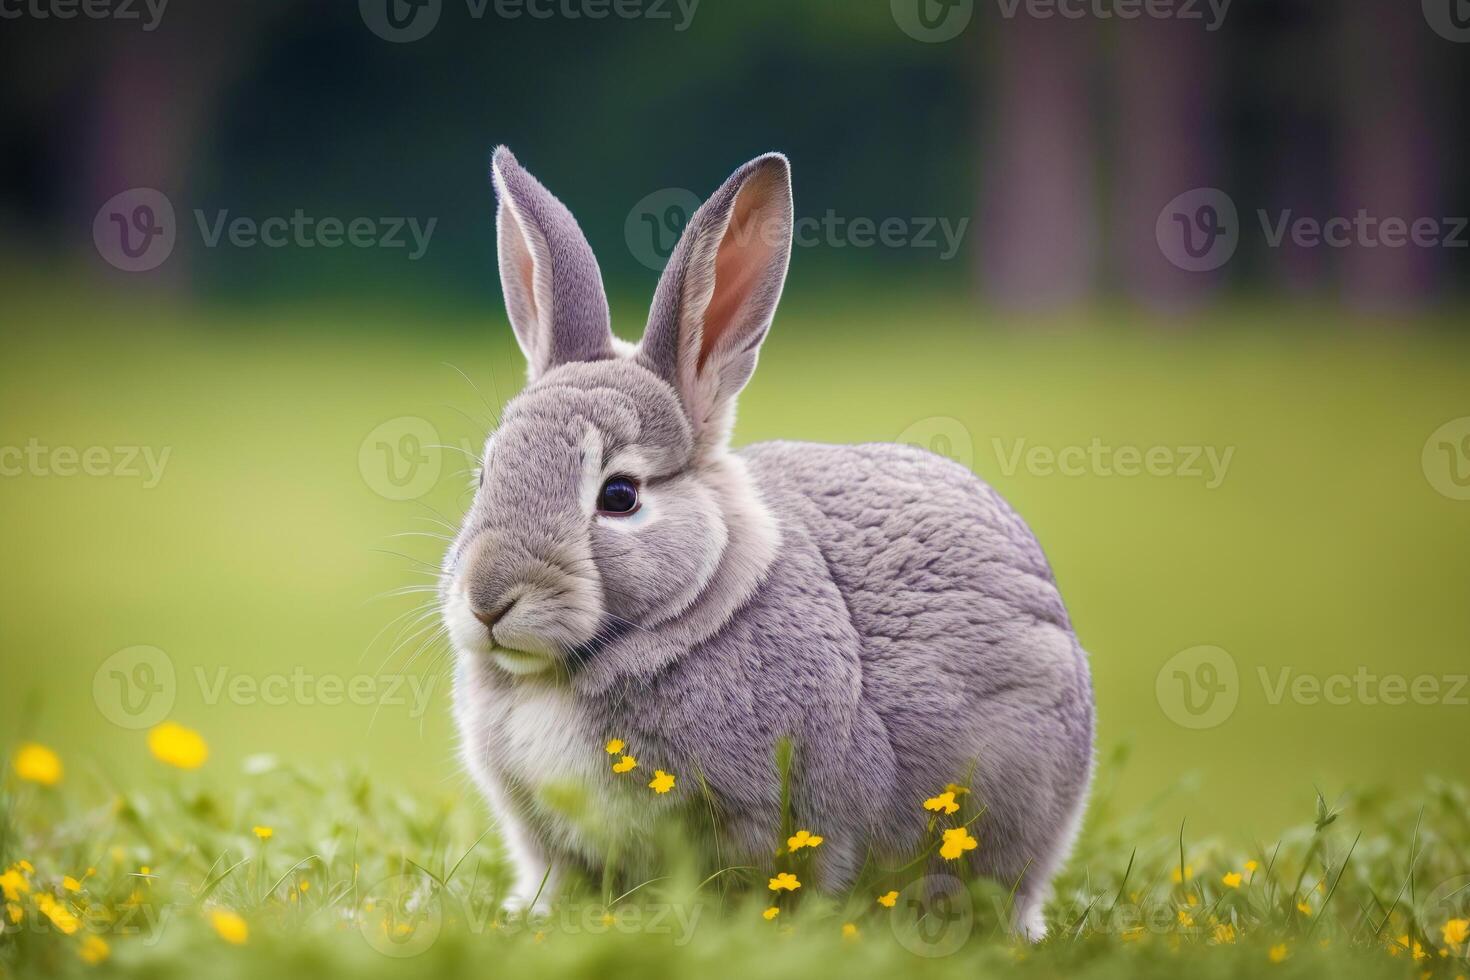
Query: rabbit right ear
552,285
716,299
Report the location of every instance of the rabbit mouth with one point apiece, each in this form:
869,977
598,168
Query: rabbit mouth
521,663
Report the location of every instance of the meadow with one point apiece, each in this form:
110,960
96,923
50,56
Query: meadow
244,555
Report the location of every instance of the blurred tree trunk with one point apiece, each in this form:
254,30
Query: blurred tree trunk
1168,142
1038,212
1389,160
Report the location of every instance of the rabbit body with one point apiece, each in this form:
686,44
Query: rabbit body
878,605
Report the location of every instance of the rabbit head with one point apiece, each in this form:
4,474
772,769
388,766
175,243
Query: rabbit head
608,503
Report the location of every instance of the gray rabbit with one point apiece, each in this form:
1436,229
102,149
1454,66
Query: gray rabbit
623,574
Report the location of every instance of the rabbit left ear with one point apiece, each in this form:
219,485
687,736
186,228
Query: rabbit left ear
552,285
719,292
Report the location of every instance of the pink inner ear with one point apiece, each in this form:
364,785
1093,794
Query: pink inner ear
750,242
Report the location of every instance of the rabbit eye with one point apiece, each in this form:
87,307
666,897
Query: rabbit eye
619,497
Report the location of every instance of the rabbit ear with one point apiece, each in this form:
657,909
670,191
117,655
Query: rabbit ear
552,286
718,294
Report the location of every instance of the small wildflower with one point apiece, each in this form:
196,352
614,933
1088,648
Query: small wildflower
956,843
306,886
59,914
1233,879
943,803
1224,933
37,764
614,746
14,912
770,913
626,764
803,838
71,884
264,833
540,937
1304,907
1186,918
888,899
14,884
230,926
1181,878
956,789
178,746
662,782
1456,931
849,930
1131,935
94,950
608,919
1278,953
785,880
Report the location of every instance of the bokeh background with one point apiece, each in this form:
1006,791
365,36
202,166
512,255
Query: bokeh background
1024,234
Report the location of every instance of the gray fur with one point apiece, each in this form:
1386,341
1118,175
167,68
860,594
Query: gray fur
879,604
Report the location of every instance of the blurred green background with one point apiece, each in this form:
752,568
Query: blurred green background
275,377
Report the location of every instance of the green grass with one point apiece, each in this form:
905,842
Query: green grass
362,878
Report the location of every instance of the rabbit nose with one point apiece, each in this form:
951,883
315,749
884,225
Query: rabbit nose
491,618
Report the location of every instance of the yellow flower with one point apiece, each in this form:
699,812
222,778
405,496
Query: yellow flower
230,926
1186,919
888,899
1251,866
94,950
956,843
14,884
14,912
662,781
943,803
1303,907
264,833
1188,874
770,913
1277,953
849,930
956,789
1456,931
178,746
37,764
26,866
614,746
785,880
59,914
71,884
608,918
625,764
1224,933
306,886
1233,879
803,838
